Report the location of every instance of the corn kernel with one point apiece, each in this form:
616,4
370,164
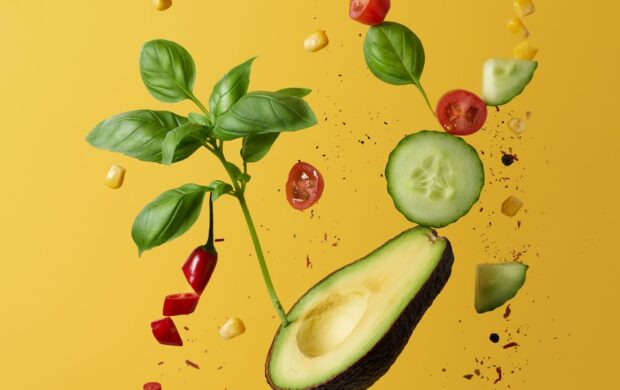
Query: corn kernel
115,177
316,41
523,7
162,5
524,51
516,26
511,206
517,125
232,328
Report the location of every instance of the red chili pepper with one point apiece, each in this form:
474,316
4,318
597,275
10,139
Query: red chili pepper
152,386
199,267
178,304
166,332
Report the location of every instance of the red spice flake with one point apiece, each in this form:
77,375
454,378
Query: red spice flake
497,108
219,240
308,262
220,367
192,364
160,363
518,224
507,312
511,345
468,376
499,374
335,244
477,372
325,237
528,115
311,214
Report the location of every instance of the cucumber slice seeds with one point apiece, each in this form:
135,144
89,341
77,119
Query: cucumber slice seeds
434,178
503,80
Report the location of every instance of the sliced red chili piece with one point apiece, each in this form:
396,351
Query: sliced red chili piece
179,304
152,386
166,332
199,267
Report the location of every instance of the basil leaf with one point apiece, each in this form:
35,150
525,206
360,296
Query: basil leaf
168,70
244,178
394,53
140,134
199,119
187,133
235,169
299,92
256,146
264,112
219,188
230,88
167,217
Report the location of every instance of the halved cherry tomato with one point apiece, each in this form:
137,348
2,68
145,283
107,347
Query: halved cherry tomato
461,112
179,304
371,12
166,332
304,186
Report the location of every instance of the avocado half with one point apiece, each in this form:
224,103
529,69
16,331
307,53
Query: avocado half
348,329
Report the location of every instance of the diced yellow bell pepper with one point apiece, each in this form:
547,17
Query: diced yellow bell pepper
524,7
524,51
162,5
511,206
316,41
115,177
515,25
232,328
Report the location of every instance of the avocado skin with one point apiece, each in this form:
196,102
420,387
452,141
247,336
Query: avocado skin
366,371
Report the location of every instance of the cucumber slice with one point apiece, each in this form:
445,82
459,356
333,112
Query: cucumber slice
503,80
497,283
434,178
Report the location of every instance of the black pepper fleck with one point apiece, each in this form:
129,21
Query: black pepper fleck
507,159
494,337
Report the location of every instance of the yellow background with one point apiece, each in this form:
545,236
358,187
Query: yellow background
76,301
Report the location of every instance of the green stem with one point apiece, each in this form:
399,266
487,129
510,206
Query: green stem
428,102
198,103
261,261
239,194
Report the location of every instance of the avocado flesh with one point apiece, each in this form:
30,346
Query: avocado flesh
496,284
348,329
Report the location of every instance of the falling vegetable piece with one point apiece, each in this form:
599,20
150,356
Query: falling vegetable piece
461,112
180,304
524,51
515,25
152,386
523,7
371,12
232,328
517,125
503,80
166,332
199,267
304,186
511,206
497,283
162,5
316,41
115,177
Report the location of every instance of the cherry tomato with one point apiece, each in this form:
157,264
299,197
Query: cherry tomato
371,12
461,112
304,186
